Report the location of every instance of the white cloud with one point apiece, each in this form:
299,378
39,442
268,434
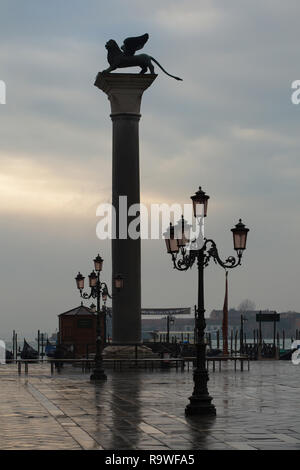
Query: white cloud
263,135
190,18
45,191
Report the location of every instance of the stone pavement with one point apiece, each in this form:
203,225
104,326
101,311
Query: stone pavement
145,409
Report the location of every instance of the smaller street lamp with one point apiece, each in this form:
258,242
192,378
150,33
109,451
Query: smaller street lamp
97,289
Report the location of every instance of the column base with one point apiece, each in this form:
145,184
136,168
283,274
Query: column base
119,351
200,406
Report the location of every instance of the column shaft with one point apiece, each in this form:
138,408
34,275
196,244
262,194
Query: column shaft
126,253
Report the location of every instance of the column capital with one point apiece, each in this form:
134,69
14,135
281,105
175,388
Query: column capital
124,90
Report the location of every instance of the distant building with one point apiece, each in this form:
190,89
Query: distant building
155,320
289,322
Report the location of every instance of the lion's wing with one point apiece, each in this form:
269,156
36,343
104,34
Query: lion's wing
131,45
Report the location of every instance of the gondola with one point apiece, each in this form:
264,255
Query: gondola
214,352
28,352
285,354
8,355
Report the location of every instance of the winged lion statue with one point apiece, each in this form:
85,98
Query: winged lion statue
125,57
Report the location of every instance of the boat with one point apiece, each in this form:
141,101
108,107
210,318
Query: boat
28,352
285,354
8,355
214,352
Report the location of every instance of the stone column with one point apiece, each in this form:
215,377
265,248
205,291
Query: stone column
125,92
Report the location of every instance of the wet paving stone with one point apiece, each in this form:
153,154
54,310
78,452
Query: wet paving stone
256,409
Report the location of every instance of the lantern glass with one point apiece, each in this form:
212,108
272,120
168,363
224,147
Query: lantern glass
171,241
98,261
80,281
119,282
181,231
93,279
167,240
200,203
240,233
174,248
104,294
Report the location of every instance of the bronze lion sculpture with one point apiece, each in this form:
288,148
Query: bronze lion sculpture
118,58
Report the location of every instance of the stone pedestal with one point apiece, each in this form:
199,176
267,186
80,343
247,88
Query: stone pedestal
125,92
129,352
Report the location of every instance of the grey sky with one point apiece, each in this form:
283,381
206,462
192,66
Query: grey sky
229,126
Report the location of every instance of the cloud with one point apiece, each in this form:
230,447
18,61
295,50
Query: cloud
190,18
27,187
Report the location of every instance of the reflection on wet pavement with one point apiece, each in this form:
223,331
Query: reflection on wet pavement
145,409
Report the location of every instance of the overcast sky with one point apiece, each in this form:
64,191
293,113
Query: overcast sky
230,127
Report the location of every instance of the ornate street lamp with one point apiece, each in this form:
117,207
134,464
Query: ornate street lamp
98,289
183,259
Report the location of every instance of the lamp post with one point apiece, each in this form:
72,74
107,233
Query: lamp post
183,258
170,320
98,288
105,294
